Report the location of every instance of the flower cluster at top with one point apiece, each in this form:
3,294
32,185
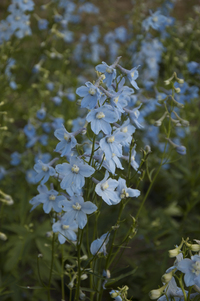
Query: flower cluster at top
110,121
190,267
18,21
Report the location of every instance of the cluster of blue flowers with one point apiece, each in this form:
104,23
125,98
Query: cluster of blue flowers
190,267
106,107
18,21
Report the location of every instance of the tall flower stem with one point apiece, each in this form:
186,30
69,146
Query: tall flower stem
51,268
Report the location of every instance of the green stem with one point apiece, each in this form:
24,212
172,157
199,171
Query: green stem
182,287
51,268
80,237
62,275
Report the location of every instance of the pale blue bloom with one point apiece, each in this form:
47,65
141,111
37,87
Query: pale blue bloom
108,71
41,114
191,269
124,192
65,230
156,21
43,171
118,298
74,173
101,118
29,130
45,158
30,176
128,129
99,245
67,141
173,291
111,144
106,190
27,5
77,209
90,94
43,24
57,100
16,159
49,198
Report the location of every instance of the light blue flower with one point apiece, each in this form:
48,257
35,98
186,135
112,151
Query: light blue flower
67,141
115,293
41,114
90,94
99,245
16,159
101,118
43,171
65,230
108,71
191,269
77,209
124,192
106,190
111,144
42,24
74,173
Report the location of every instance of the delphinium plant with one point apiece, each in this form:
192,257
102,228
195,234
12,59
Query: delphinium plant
97,170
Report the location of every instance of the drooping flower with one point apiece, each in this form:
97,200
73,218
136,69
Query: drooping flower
125,192
99,245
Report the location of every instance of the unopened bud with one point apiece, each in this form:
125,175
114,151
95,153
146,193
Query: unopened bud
84,257
81,295
3,236
84,276
167,277
178,90
180,80
155,294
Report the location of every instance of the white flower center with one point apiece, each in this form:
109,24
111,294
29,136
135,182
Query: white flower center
52,197
45,168
132,158
100,115
67,137
25,1
116,99
155,19
17,18
196,268
92,91
76,206
65,227
132,74
75,168
124,130
104,186
124,194
109,70
111,139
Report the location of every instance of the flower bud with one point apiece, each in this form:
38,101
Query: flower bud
155,294
3,236
167,277
173,252
84,276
